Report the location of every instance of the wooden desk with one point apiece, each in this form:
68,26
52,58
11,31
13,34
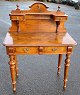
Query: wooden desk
38,40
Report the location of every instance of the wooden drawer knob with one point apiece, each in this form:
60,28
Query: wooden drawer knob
40,50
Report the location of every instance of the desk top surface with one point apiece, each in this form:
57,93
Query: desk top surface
38,39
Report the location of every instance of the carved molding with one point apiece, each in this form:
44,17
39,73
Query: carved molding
69,49
11,50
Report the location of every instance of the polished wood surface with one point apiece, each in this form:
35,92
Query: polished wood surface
38,39
38,31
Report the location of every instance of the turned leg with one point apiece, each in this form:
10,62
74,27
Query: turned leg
66,67
13,71
59,63
16,66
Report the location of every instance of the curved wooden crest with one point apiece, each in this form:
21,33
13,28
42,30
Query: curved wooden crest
38,7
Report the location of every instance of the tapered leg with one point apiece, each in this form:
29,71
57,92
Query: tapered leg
59,63
67,64
13,71
16,65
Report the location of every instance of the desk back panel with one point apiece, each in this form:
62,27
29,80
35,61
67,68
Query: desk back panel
37,19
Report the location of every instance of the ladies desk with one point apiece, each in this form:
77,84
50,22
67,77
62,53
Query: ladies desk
38,31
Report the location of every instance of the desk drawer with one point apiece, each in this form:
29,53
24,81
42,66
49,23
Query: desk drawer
27,50
37,50
55,50
17,18
60,18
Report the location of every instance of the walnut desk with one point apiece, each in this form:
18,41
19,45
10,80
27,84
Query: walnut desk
38,31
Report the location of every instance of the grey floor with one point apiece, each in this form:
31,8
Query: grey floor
38,73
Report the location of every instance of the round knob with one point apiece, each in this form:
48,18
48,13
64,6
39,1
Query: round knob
40,50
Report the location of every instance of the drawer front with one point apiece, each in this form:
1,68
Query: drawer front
60,18
27,50
37,50
16,17
55,50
